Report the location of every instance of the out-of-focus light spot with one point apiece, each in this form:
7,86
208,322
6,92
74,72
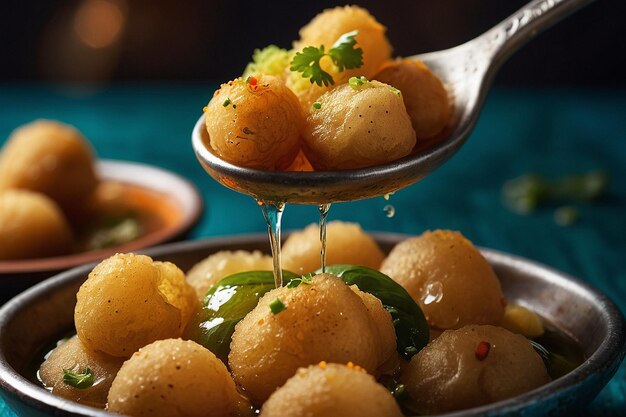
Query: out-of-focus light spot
99,23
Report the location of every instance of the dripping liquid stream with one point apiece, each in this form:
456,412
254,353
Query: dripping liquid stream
273,212
323,215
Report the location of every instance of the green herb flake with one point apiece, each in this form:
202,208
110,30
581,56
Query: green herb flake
317,105
80,380
394,90
357,82
526,194
277,306
566,215
226,102
343,54
115,231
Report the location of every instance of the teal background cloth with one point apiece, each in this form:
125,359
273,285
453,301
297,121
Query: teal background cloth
555,132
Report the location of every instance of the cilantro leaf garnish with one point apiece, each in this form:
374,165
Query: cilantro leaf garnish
80,380
343,54
308,63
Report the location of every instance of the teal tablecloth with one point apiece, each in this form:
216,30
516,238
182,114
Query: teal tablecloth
554,132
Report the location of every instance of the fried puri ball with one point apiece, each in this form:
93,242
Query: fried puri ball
172,378
449,278
328,26
255,123
323,321
51,158
325,29
358,127
425,97
346,243
329,390
72,355
206,273
31,226
129,301
472,366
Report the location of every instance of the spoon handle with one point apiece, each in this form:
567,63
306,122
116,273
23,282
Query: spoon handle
512,33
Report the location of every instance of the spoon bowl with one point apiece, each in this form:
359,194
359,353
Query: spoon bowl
466,70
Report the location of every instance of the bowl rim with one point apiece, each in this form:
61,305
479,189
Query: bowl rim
610,352
179,190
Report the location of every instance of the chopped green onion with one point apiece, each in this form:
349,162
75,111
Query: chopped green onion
226,102
80,380
357,82
277,306
317,105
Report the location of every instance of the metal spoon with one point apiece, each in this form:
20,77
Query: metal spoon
467,71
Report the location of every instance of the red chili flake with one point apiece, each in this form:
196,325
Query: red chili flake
252,83
482,350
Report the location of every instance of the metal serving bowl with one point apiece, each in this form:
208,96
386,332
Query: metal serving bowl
38,316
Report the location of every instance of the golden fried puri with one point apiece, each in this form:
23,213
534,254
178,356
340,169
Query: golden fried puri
173,378
31,226
206,273
255,123
323,321
472,366
358,127
346,243
330,390
325,29
450,279
51,158
424,95
129,301
72,355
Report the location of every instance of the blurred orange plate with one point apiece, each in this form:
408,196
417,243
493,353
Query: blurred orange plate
173,203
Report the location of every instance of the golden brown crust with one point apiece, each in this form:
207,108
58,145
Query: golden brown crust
51,158
453,373
255,124
425,96
32,226
450,279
